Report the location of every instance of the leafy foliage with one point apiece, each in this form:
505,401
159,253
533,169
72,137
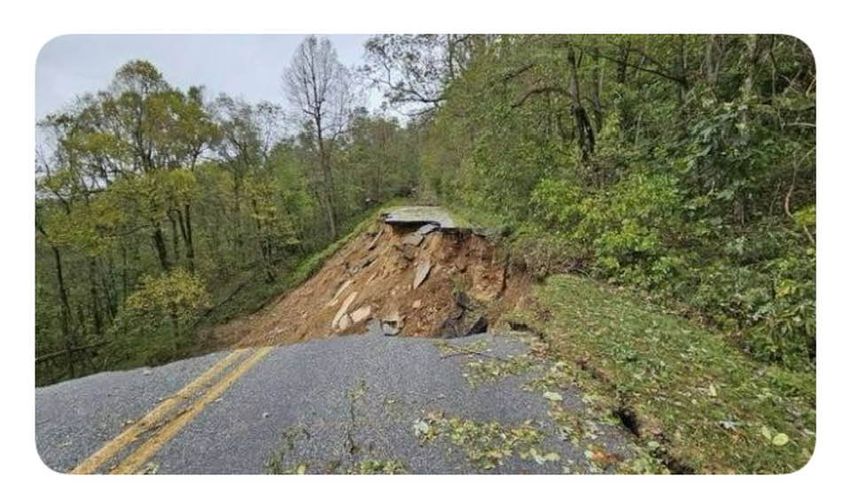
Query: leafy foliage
160,211
701,401
681,165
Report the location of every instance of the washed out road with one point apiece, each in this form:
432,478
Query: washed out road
337,405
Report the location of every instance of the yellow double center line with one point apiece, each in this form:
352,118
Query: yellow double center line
167,423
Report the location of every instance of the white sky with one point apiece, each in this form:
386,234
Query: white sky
247,66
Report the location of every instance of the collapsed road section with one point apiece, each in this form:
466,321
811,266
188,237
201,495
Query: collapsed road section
414,273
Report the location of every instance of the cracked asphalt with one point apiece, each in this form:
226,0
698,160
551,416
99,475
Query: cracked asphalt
324,406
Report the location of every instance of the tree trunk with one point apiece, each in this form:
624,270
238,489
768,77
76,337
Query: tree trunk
95,305
185,223
159,245
327,176
597,91
65,318
622,64
583,125
175,249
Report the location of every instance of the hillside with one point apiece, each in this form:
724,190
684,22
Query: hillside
408,273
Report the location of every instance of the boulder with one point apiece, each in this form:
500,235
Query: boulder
361,314
343,309
392,324
389,328
414,239
426,229
345,322
421,273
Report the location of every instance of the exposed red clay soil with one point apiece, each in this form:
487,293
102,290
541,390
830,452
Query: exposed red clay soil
373,277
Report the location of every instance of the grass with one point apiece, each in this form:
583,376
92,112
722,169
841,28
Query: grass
467,217
696,400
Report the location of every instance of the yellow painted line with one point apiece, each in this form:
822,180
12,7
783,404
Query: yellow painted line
114,446
135,461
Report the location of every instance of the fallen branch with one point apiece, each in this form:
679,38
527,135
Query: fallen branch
55,354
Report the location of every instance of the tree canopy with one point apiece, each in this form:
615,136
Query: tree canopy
679,165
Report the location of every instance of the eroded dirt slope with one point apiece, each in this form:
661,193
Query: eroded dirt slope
419,280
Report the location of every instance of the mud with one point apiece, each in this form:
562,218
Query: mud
395,274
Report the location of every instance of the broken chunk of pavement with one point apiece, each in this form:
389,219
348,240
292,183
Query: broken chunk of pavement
414,239
421,273
391,324
419,215
426,229
389,328
343,309
361,314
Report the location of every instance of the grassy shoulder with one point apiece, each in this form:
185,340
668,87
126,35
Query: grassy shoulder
690,395
468,217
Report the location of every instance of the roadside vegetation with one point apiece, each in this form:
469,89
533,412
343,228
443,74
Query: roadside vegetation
161,211
691,397
677,170
660,188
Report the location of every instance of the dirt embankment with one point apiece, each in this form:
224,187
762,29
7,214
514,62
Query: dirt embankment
409,280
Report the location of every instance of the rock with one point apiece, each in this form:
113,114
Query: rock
394,317
414,239
462,300
363,264
422,273
449,328
343,309
453,325
339,292
479,326
361,314
345,322
392,324
389,328
375,240
408,253
417,304
426,229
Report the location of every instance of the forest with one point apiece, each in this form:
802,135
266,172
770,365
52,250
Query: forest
678,166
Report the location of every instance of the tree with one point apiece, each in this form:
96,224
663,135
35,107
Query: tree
317,85
414,70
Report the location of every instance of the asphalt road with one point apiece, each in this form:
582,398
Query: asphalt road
337,405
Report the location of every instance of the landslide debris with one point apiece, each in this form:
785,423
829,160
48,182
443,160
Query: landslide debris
407,277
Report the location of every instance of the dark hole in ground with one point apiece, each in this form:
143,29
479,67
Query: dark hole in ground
676,467
519,326
628,419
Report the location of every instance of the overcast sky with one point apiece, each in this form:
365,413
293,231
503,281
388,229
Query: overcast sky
249,66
